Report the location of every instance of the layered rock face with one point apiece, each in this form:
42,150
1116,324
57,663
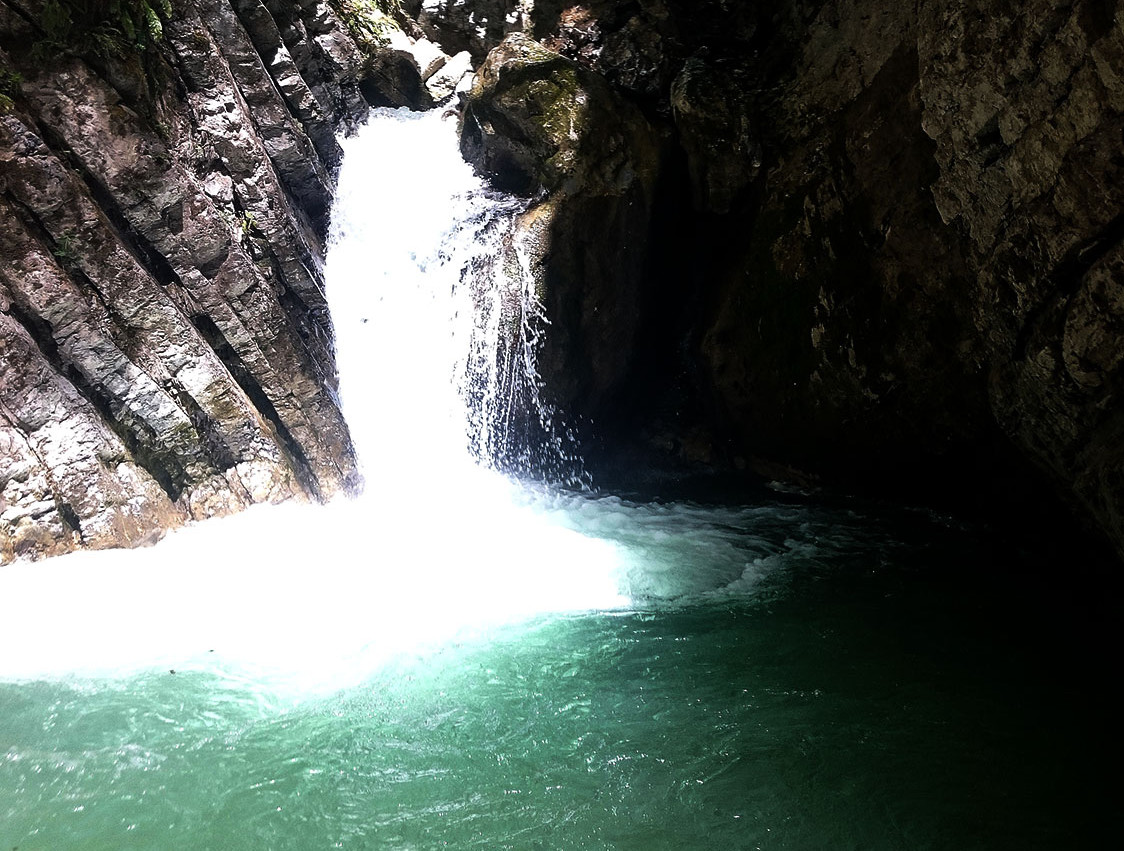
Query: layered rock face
893,249
166,345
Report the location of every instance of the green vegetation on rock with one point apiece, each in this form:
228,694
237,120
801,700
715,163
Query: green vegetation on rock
103,28
123,39
9,88
370,22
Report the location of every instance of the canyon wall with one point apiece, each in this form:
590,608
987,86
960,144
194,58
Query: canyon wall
827,240
166,172
887,243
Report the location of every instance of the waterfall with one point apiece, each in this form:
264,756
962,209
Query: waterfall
466,657
431,315
436,317
437,328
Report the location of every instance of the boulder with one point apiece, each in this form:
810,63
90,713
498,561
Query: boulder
429,56
394,79
450,76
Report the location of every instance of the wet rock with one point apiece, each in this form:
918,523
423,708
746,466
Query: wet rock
635,58
887,244
893,258
394,80
577,35
401,71
537,123
535,120
167,352
711,106
66,480
473,26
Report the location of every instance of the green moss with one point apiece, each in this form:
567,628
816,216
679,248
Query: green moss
559,104
246,224
370,22
9,88
102,28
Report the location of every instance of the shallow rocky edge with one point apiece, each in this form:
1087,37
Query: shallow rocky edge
825,242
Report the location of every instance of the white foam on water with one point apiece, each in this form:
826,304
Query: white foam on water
439,547
303,596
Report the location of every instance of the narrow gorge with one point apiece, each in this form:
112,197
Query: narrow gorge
823,242
673,425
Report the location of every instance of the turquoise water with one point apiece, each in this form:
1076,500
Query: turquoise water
459,661
884,684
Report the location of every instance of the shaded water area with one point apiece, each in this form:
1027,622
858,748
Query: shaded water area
464,659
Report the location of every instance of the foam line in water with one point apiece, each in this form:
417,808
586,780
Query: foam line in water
303,596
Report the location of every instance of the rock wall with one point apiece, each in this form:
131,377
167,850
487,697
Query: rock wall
878,244
541,124
166,346
889,250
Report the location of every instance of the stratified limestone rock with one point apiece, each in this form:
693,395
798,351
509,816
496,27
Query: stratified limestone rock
537,122
67,478
167,348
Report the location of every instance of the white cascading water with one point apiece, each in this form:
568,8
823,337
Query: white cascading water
301,598
438,545
436,321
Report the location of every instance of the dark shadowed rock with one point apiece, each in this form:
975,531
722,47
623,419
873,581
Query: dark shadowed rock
539,124
394,79
895,255
711,107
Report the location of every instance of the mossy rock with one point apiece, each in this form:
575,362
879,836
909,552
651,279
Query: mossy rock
536,121
538,124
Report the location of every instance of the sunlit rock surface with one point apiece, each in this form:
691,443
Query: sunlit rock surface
167,349
476,26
